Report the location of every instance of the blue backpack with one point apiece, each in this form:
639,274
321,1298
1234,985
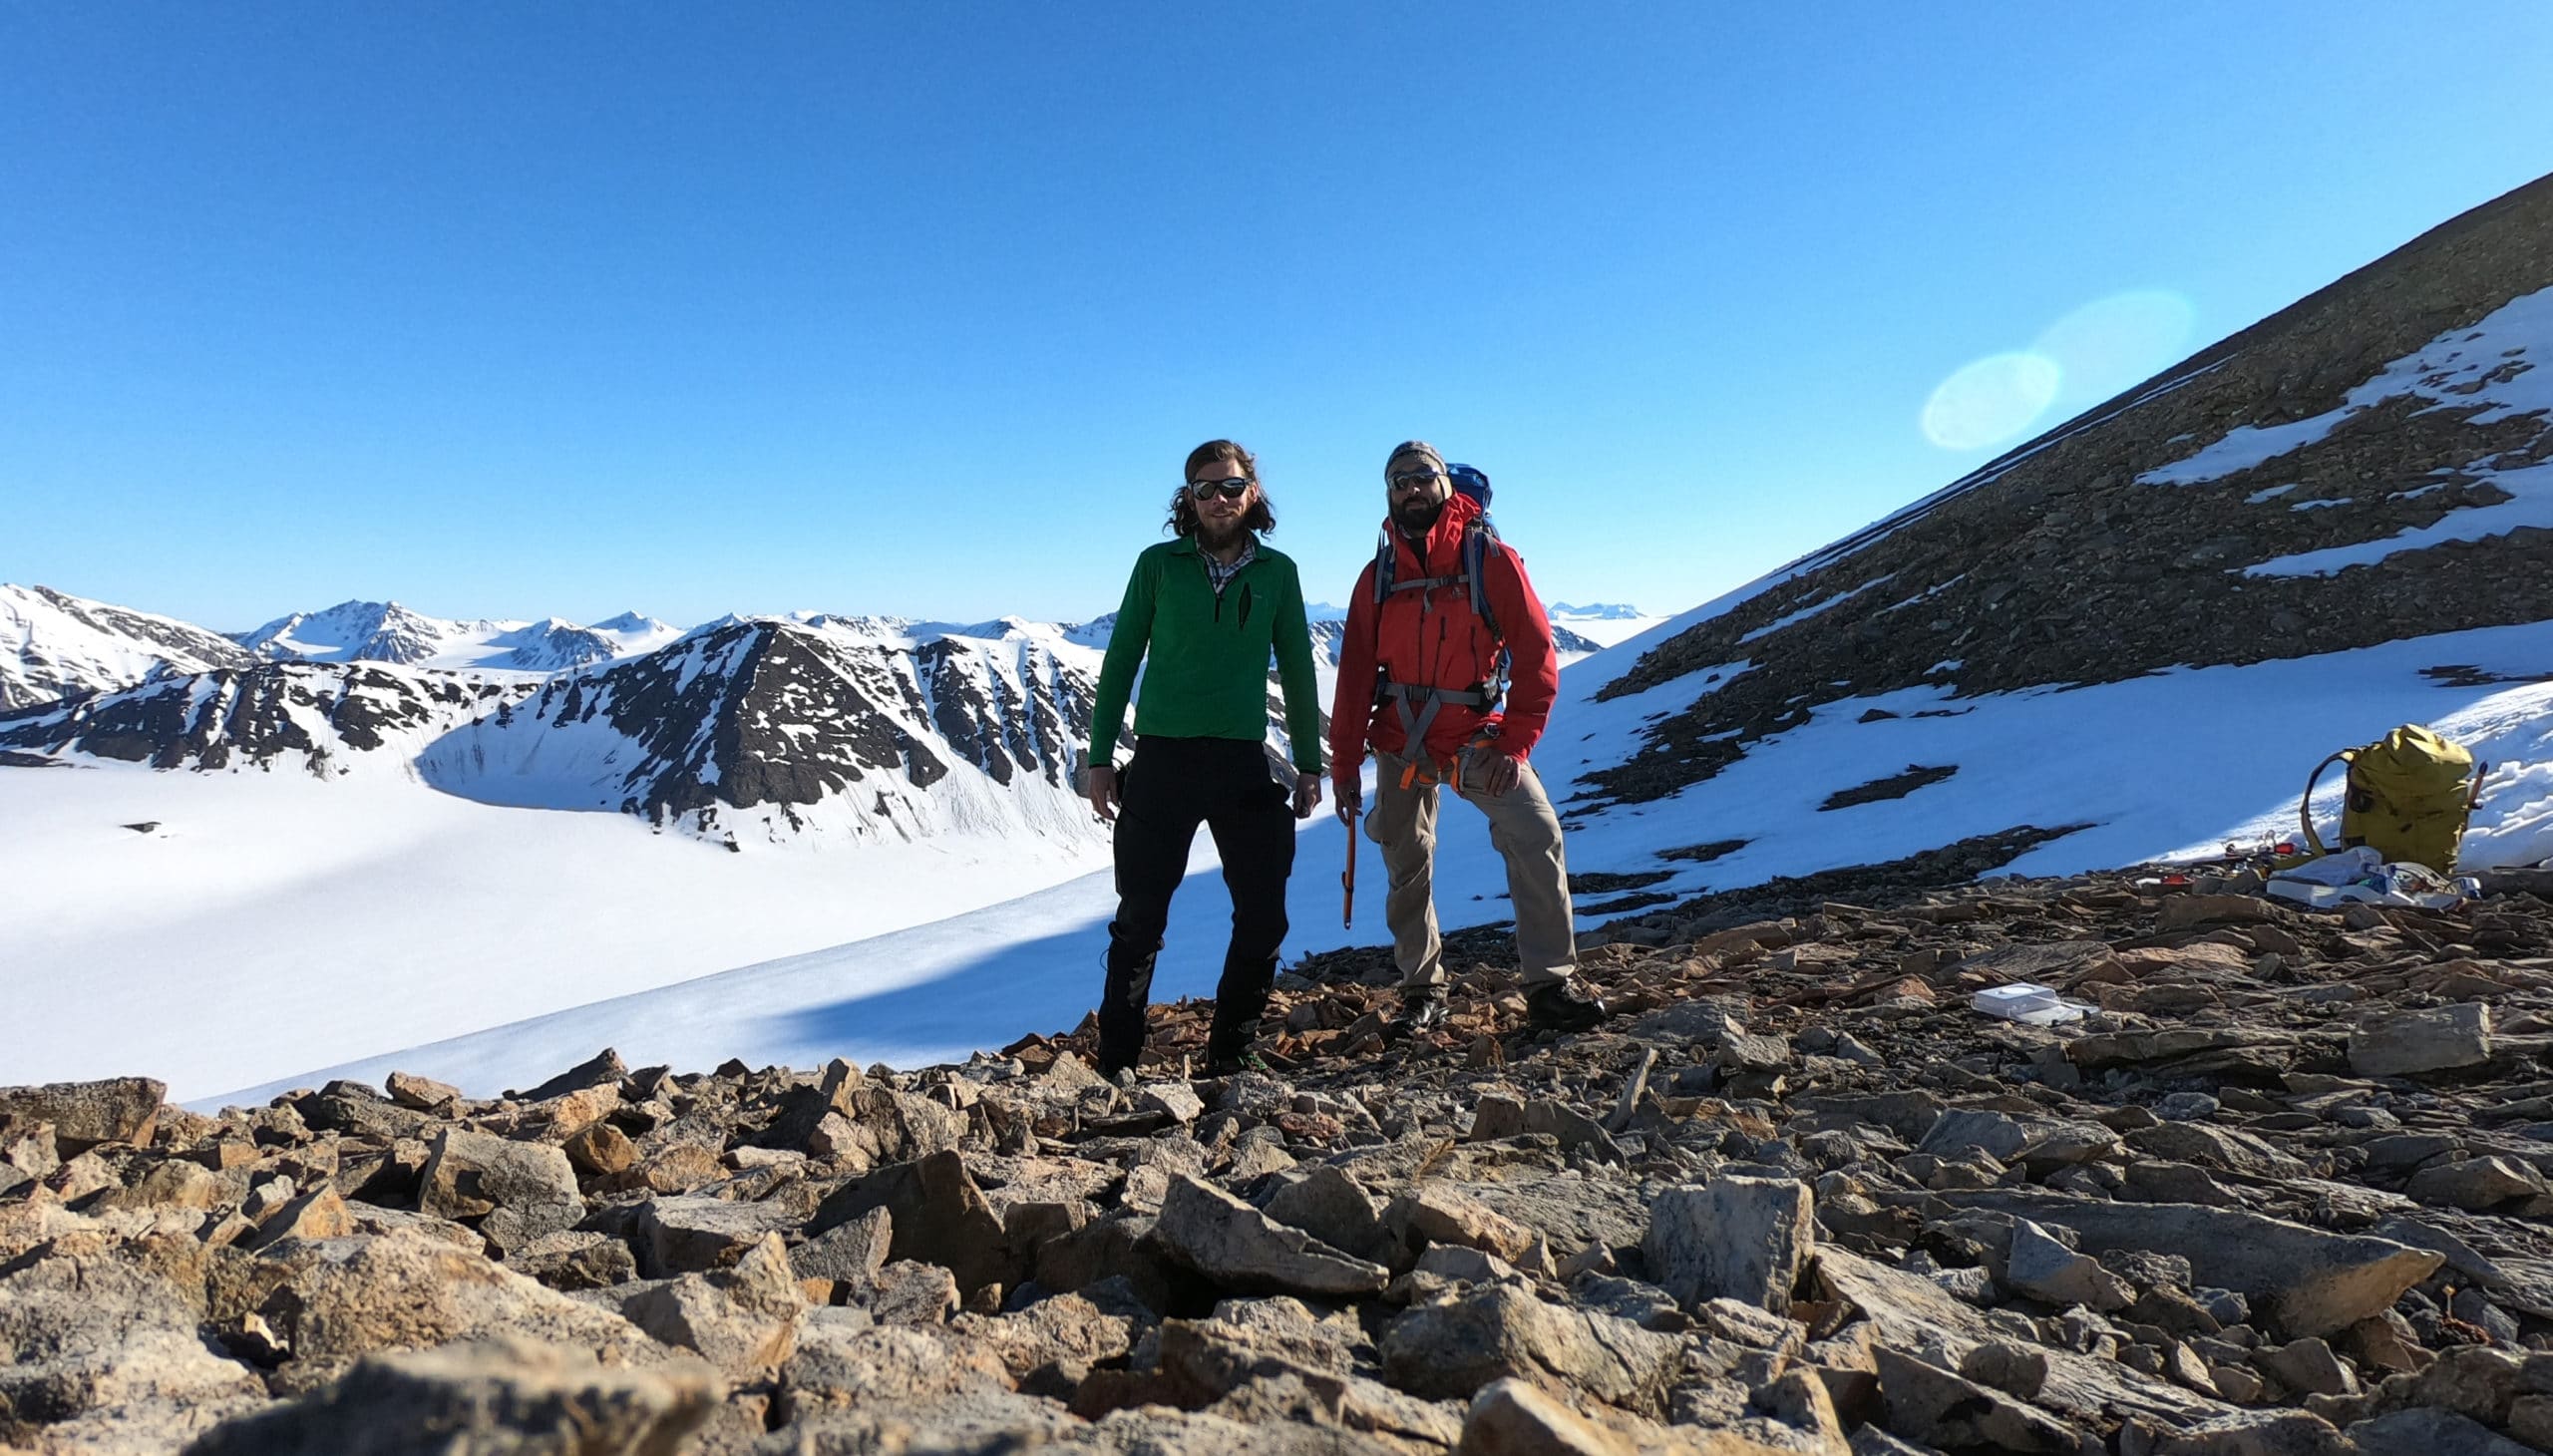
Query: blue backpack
1469,574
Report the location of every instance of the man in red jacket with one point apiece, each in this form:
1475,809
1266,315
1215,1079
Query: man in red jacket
1415,675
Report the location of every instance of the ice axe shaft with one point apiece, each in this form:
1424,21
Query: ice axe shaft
1347,903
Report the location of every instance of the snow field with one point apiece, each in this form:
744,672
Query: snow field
275,921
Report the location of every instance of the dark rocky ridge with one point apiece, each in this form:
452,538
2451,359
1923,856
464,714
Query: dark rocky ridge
2283,1190
2054,564
252,717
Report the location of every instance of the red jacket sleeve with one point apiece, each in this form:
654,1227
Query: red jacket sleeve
1351,708
1536,665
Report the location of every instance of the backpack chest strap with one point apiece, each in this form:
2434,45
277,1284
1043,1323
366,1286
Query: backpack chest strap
1424,583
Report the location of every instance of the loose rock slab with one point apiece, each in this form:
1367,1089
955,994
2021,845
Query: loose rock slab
517,1191
2308,1281
515,1396
1452,1350
84,1114
1239,1247
1735,1238
2409,1043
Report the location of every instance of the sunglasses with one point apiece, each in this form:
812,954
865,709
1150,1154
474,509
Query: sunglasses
1232,489
1415,480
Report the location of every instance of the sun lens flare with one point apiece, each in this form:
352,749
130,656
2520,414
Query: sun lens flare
2113,343
1991,400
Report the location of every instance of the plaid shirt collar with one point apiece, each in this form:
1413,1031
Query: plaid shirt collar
1221,576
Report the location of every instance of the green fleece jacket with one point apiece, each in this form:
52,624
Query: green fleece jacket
1207,674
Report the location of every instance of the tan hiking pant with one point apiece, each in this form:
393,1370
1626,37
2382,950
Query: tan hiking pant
1525,832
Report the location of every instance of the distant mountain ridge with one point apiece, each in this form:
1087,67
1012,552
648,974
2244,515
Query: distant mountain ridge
746,729
385,631
54,645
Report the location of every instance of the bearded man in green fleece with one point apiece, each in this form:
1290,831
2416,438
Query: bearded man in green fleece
1203,616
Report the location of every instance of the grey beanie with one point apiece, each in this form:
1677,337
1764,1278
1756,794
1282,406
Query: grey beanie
1413,447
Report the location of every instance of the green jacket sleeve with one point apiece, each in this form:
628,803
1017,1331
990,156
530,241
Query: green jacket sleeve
1295,675
1126,644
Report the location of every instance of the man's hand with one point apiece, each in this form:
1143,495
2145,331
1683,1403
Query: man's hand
1307,795
1499,771
1352,800
1101,783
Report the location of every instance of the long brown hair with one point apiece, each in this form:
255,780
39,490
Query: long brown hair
1183,506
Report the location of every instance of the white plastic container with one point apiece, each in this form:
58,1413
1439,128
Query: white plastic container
2022,1001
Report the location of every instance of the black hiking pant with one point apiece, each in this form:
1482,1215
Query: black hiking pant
1172,786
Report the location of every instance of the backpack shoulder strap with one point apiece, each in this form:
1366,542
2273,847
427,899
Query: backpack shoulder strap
1477,542
2304,809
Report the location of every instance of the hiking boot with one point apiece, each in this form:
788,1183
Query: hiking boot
1563,1005
1228,1049
1234,1063
1241,1004
1422,1010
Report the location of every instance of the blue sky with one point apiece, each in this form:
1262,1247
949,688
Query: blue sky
523,310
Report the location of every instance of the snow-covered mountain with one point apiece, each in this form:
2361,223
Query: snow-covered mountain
771,728
55,646
385,631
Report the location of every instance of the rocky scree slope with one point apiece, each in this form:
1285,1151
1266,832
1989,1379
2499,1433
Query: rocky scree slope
2206,516
2282,1190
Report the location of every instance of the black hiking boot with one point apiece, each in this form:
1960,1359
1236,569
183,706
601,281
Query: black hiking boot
1563,1005
1422,1010
1228,1049
1241,1004
1234,1063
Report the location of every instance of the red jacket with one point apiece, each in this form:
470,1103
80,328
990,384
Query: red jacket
1432,639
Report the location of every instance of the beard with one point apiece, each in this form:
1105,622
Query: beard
1416,518
1215,538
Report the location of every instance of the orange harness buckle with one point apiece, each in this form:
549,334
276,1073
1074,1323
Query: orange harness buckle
1411,772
